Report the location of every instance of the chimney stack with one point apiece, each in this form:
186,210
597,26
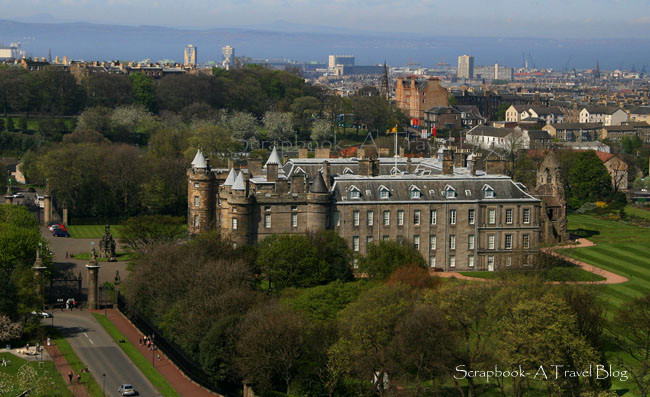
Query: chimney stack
254,167
327,174
447,162
471,164
272,172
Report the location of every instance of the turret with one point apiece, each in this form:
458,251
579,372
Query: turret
317,204
200,195
237,222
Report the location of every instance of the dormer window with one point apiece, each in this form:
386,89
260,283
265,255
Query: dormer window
415,192
450,192
348,171
384,193
488,191
355,193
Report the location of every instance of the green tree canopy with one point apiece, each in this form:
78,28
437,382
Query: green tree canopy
384,257
588,180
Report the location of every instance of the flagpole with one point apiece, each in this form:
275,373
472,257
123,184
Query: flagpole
396,155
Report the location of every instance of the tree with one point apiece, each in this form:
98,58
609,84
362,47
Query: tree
633,336
304,110
218,350
289,261
630,144
384,257
95,119
321,131
278,126
108,89
501,112
588,180
9,330
142,233
143,91
270,346
85,136
242,125
541,333
215,141
22,124
367,329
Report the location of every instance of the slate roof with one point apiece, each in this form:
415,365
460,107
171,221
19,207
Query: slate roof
274,158
538,135
199,160
641,110
432,189
601,109
576,126
318,186
484,130
230,180
239,182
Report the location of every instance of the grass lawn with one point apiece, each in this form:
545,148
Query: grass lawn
92,231
76,364
553,274
140,361
47,368
121,256
620,248
638,212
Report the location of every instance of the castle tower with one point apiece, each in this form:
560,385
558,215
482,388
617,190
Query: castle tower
200,195
93,281
318,200
240,213
550,189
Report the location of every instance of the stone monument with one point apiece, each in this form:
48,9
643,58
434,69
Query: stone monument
107,245
93,280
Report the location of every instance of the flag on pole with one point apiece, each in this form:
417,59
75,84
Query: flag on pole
392,130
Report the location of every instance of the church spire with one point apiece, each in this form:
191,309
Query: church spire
384,90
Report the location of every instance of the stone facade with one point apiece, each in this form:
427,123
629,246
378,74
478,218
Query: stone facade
457,217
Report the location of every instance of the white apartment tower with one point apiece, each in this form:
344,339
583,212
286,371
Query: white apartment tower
465,67
190,55
228,57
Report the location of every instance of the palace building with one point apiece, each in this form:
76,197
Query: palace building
456,216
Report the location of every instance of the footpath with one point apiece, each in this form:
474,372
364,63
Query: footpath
176,378
78,390
610,278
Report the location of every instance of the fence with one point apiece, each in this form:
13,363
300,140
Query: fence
189,367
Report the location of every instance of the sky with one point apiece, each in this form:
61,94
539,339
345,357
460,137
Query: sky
473,18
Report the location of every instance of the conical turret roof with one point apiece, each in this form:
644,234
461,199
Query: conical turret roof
274,158
230,180
199,160
319,184
239,182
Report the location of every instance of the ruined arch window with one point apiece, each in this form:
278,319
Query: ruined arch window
547,175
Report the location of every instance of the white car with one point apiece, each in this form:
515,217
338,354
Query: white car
127,390
42,314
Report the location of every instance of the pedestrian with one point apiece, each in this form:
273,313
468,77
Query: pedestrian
70,376
158,356
4,362
79,378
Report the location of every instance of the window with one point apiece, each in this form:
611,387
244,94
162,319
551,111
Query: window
509,216
416,242
488,192
234,223
490,262
433,216
400,217
491,242
470,261
267,221
267,208
386,218
452,217
385,237
432,261
415,192
452,242
355,218
336,218
508,241
433,243
355,263
470,242
196,221
370,218
452,261
294,208
355,243
525,241
450,192
234,209
526,215
196,185
196,201
294,220
471,215
384,193
355,194
468,192
368,241
508,261
416,217
492,217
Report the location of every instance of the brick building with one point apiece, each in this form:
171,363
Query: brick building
458,217
415,96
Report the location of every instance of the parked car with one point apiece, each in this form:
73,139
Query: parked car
60,233
126,390
18,195
42,314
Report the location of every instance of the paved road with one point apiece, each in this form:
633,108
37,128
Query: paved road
100,353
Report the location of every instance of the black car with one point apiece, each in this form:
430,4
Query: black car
60,233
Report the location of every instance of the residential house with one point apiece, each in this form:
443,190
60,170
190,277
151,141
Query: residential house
574,132
606,115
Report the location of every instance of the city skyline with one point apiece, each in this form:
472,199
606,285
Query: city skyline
470,18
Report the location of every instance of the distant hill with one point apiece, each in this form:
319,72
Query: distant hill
302,43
